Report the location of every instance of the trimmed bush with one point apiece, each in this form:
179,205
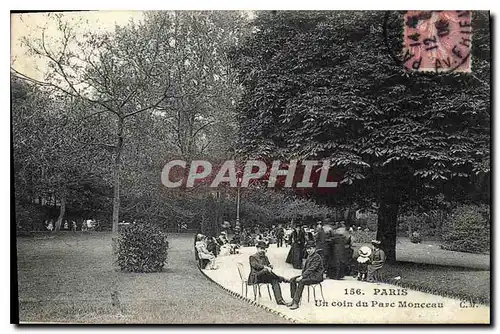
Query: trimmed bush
468,230
415,238
142,248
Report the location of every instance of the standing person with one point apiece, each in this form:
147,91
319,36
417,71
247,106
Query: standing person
311,274
280,234
288,236
73,226
329,230
320,240
377,261
84,225
261,271
243,237
296,252
349,252
308,236
338,258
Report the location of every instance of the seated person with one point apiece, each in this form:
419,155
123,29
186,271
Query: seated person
235,244
261,271
207,258
236,240
212,246
222,239
312,273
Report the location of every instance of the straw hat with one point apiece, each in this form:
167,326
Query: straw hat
364,251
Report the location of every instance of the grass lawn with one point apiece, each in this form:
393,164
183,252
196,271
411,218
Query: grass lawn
430,252
71,278
457,282
428,268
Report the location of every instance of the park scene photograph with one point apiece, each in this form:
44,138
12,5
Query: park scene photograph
251,167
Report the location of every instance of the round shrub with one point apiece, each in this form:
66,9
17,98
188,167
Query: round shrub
142,248
415,238
468,230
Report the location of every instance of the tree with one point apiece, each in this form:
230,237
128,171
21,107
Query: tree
51,156
121,74
323,85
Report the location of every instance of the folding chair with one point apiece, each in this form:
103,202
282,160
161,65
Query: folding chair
314,286
244,281
256,286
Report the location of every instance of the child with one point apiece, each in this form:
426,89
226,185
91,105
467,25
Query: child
363,261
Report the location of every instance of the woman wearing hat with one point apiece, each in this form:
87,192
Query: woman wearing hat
377,261
297,251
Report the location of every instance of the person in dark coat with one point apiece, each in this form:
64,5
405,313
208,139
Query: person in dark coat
295,254
280,234
328,249
377,261
321,240
308,236
349,263
311,274
261,271
212,246
337,259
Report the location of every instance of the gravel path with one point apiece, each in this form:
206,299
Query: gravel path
349,301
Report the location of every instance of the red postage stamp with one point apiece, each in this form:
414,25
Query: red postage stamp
438,41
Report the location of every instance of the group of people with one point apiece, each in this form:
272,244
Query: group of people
334,243
86,225
325,252
278,234
250,236
207,249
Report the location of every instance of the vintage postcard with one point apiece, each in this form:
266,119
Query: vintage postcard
251,167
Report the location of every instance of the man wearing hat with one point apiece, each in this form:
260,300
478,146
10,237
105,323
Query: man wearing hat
311,274
280,234
261,271
377,261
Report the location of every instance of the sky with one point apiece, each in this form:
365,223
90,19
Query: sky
31,25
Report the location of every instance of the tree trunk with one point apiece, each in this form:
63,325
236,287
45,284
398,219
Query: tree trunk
116,184
387,223
62,210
